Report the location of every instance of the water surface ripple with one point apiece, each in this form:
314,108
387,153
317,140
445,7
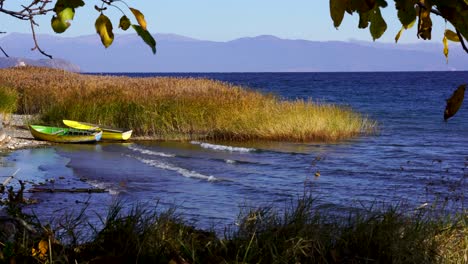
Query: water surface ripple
415,156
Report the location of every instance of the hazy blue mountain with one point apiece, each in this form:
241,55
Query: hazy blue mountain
54,63
255,54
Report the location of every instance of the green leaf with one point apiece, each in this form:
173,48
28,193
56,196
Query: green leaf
337,10
104,29
454,102
139,17
382,3
452,36
124,23
62,4
378,25
364,19
58,25
146,36
74,3
406,12
362,6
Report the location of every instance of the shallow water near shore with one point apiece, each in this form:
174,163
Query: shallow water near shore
415,157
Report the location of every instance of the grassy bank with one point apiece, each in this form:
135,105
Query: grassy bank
178,108
301,233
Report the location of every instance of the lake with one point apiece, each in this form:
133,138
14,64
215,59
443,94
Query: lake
414,158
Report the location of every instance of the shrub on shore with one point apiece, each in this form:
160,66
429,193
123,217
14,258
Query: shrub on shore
178,108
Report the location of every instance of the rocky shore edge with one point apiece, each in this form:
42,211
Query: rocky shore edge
14,134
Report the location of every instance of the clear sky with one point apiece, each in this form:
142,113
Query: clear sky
230,19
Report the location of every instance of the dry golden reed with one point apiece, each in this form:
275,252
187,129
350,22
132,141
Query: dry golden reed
178,108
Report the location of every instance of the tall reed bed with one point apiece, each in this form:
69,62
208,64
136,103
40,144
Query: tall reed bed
8,100
179,108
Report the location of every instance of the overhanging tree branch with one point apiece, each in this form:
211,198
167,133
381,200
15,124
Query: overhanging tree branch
437,12
36,45
462,41
1,49
6,55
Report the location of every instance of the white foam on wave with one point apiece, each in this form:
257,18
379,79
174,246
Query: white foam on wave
222,147
181,171
150,152
229,161
105,186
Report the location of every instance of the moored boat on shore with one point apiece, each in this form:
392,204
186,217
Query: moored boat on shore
108,133
64,135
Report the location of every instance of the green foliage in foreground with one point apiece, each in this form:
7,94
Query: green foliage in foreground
179,108
301,233
8,100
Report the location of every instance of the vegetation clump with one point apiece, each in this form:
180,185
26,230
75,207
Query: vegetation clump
301,233
178,108
8,100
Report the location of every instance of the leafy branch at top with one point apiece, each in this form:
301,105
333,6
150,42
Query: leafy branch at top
64,13
408,11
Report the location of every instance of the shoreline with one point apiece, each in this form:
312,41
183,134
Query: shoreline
15,135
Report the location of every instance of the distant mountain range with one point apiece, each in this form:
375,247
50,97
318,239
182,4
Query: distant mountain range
54,63
254,54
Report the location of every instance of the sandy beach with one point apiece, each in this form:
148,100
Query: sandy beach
15,134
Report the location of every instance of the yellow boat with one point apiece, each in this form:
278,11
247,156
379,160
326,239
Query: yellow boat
107,132
64,134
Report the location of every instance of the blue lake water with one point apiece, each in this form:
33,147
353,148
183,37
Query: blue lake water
415,157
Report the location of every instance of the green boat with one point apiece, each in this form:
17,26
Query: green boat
64,135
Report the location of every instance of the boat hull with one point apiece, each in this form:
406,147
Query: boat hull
64,135
107,133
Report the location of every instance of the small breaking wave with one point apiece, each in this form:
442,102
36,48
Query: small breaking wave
150,152
222,147
181,171
106,186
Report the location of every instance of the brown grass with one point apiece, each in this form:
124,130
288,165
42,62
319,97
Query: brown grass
178,108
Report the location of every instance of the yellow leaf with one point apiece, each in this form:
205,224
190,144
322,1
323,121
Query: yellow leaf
411,24
452,36
454,102
42,250
43,247
139,17
104,29
66,14
58,25
403,28
425,22
398,35
446,48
